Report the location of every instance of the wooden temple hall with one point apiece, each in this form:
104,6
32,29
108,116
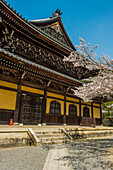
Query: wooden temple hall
35,82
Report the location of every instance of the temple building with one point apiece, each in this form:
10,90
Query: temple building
35,83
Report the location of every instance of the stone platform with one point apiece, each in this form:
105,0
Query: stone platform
18,135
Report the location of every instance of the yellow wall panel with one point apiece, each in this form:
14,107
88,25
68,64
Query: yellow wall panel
55,95
7,99
95,104
82,106
96,112
32,90
67,108
7,84
72,99
48,105
85,102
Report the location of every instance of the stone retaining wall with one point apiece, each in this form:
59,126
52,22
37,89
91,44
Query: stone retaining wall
89,134
10,139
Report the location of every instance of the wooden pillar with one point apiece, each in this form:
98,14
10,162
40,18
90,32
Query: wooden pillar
18,101
93,119
100,114
44,106
79,107
64,117
79,122
91,109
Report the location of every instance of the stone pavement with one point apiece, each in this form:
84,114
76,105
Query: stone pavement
79,155
54,159
23,158
91,154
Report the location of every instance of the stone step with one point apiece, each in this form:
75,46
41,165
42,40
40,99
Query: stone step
49,135
47,132
52,138
54,142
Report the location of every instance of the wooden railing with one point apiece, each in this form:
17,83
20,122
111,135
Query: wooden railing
53,119
72,120
87,121
6,115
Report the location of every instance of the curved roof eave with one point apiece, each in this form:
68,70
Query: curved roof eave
33,27
46,21
19,58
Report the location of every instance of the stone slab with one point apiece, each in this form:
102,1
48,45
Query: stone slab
55,159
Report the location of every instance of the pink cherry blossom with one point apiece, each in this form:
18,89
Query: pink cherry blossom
101,86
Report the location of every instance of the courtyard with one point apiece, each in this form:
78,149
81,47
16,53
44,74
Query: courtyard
79,155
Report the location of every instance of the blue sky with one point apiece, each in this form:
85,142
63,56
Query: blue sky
89,19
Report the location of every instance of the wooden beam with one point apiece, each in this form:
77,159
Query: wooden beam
44,106
64,118
18,101
91,109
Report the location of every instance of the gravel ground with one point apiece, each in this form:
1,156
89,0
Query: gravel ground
23,158
83,155
91,155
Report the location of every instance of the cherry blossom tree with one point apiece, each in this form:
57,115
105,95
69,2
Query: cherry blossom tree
100,86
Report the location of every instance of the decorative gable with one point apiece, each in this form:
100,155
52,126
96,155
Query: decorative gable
53,27
55,33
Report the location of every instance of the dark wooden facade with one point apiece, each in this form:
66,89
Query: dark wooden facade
35,83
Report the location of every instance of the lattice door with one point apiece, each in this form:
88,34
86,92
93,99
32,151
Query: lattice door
37,109
31,109
26,109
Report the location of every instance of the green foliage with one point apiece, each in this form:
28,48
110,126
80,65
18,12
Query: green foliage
104,105
107,121
86,81
108,111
